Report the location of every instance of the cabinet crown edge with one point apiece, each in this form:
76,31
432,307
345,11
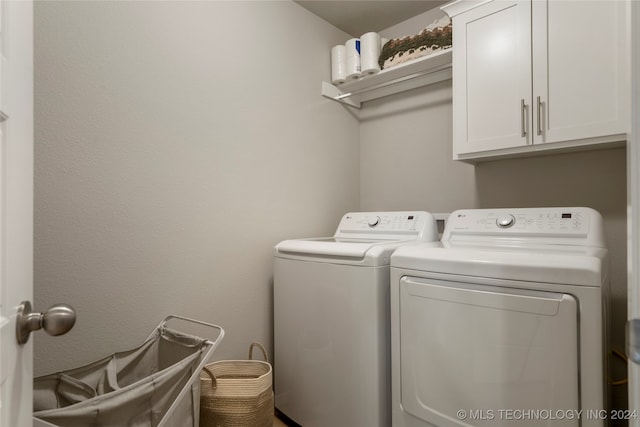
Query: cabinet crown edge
460,6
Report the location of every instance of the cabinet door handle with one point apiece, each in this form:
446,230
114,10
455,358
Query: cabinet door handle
538,114
523,118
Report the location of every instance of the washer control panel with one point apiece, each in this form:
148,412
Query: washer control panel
572,226
539,220
363,221
386,225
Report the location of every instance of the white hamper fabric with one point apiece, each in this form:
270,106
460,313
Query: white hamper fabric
132,388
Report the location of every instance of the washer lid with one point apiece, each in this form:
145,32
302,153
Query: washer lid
569,265
329,250
326,247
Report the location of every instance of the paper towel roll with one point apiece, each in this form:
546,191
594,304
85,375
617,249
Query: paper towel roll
352,52
369,53
338,65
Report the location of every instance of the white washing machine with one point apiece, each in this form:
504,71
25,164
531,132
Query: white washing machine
331,319
505,324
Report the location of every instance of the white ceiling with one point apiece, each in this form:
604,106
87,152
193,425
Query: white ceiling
357,17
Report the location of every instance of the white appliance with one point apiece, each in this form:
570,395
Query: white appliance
331,319
504,324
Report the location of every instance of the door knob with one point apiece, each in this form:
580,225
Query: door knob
57,320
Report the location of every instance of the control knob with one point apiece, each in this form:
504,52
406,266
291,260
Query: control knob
374,221
505,221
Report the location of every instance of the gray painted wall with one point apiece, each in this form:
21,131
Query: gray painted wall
176,143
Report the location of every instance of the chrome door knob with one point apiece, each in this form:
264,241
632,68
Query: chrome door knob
57,320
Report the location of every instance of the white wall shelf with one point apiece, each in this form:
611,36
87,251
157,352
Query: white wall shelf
423,71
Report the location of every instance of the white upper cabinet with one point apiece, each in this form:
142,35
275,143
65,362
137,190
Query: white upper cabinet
492,77
580,69
538,75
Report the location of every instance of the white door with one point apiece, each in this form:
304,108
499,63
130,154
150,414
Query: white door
633,185
16,207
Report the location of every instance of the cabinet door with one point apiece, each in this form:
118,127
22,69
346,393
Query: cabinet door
492,77
580,69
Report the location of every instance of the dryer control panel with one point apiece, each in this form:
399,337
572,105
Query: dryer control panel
387,226
573,225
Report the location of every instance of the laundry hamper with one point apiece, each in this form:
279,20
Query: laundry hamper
153,385
237,393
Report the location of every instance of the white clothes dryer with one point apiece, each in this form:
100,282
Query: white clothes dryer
505,324
331,319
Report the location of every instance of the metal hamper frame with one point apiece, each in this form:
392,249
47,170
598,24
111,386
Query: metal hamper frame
54,395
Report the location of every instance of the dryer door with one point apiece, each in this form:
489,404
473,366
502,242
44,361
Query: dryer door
485,356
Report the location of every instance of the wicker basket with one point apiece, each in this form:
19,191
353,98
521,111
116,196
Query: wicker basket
237,393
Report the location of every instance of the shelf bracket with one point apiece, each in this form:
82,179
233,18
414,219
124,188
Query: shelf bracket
333,93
